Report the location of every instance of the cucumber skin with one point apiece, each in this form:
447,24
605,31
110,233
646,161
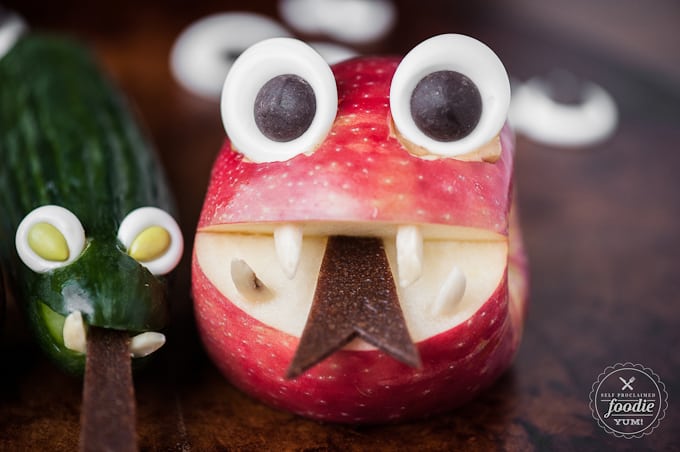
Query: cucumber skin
2,301
67,138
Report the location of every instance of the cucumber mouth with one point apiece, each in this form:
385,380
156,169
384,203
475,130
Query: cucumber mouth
70,331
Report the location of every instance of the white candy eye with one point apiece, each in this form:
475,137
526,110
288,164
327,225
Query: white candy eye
49,237
450,95
153,238
203,54
279,100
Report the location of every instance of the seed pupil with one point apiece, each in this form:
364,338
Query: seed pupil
150,244
48,242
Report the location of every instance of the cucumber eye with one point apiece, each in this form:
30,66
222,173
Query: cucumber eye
153,238
49,237
279,100
450,95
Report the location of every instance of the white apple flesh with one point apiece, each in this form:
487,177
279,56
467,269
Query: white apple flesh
483,265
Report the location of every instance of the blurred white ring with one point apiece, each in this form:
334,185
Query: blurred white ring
333,53
533,113
349,21
11,28
204,52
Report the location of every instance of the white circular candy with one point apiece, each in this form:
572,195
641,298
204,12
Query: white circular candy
333,53
12,26
143,218
350,21
252,70
535,114
65,222
204,52
467,56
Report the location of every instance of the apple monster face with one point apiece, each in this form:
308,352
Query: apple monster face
356,258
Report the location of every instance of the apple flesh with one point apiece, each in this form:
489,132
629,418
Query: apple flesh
361,181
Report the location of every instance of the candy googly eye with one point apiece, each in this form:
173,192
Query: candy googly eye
205,51
450,95
153,238
279,100
49,237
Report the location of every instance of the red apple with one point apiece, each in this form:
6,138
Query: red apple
364,179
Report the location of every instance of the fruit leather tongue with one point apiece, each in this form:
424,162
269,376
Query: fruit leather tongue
108,413
355,296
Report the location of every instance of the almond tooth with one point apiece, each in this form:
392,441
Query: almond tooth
451,292
146,343
75,337
247,282
288,244
409,254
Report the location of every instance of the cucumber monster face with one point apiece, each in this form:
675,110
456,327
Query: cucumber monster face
357,258
85,234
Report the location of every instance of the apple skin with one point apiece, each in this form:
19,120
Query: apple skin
362,172
368,175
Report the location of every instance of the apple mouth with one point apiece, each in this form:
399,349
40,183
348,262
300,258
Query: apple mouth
442,274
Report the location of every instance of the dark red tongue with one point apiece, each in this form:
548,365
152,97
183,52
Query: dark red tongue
355,296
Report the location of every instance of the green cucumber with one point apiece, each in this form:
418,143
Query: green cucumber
67,138
2,301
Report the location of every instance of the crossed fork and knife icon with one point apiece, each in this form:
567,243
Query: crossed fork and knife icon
627,384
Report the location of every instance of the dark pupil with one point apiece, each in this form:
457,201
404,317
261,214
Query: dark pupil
446,105
565,88
284,107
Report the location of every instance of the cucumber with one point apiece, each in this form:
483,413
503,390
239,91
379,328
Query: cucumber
68,139
2,302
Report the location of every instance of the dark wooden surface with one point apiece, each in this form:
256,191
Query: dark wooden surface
602,228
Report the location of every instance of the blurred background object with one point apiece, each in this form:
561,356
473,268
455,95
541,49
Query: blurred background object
348,21
563,111
203,53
